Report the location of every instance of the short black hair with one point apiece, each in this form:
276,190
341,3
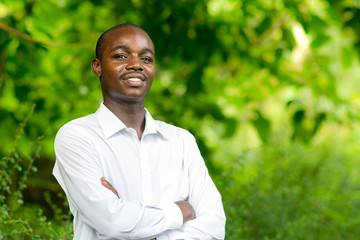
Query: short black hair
100,45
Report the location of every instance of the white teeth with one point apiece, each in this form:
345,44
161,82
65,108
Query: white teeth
135,79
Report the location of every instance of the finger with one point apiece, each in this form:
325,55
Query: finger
106,184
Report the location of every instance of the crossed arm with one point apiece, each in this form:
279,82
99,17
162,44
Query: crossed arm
185,207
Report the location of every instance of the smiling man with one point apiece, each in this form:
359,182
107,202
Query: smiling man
127,176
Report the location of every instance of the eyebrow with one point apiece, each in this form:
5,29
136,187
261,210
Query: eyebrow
124,47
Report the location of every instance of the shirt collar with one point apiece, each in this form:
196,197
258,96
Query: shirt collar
151,127
110,124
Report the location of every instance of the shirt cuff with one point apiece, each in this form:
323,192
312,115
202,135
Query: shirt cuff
173,216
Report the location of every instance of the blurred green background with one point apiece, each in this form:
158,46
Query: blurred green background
269,88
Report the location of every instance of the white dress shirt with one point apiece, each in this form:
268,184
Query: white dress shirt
150,175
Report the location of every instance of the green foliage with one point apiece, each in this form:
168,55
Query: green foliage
234,73
18,220
293,191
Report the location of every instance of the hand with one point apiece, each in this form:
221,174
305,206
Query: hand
106,184
187,210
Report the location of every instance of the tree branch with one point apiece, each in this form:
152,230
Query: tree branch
50,44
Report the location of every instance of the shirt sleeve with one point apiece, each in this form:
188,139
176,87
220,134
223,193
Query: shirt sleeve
78,172
204,197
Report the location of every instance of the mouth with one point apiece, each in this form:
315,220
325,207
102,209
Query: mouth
134,81
133,75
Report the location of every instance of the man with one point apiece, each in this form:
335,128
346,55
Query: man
127,176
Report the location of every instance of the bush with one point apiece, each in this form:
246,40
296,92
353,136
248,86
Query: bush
293,191
19,220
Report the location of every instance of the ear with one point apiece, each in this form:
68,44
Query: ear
96,67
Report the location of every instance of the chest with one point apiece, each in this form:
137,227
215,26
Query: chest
150,171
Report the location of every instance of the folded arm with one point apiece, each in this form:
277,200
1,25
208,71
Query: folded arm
187,210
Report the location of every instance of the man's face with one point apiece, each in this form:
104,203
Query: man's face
127,65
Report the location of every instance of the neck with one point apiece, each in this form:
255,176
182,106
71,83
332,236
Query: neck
131,114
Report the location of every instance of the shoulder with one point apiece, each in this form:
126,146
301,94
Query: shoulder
174,132
78,128
181,141
77,139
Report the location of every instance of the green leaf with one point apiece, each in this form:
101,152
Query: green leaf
262,126
319,41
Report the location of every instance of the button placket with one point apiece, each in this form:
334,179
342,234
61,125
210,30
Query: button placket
146,174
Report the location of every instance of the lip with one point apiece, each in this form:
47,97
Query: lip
134,79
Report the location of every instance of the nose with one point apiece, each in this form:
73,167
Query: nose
134,64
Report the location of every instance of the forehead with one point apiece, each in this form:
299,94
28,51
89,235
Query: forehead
132,37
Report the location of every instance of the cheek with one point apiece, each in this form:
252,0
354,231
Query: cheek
150,71
112,71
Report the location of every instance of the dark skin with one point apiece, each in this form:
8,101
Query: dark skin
126,71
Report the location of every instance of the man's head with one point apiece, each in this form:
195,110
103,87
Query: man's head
125,63
102,39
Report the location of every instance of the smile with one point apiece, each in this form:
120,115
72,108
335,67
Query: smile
134,82
134,79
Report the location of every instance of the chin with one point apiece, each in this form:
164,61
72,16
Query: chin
127,99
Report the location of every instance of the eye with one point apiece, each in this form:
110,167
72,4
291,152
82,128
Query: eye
120,56
146,59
